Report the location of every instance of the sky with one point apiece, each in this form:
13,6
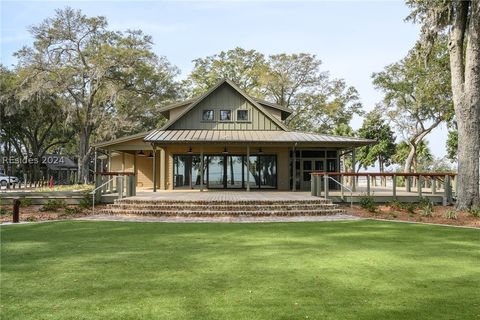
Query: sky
352,38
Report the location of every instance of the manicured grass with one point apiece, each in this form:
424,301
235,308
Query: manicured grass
326,270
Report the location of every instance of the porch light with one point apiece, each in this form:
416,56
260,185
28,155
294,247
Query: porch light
141,153
225,151
190,150
150,155
260,151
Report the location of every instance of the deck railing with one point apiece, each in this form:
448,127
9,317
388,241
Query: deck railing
410,184
119,183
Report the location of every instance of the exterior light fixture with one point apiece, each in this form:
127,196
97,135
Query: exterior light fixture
190,150
141,153
225,151
260,151
150,155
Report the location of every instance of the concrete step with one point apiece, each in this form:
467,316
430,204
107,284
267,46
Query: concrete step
229,202
318,212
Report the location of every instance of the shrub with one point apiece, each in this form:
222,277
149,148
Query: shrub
72,210
450,214
52,205
368,203
410,207
86,201
474,212
426,207
3,211
395,204
25,202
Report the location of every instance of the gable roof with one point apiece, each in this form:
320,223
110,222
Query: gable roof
238,90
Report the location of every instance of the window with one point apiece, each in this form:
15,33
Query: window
242,115
225,115
207,115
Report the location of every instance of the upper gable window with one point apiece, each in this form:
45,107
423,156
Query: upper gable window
242,115
208,115
225,115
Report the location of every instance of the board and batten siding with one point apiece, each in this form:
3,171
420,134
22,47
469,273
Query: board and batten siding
225,98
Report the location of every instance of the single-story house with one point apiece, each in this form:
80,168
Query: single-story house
226,139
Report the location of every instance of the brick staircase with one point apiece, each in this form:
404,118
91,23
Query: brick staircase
155,207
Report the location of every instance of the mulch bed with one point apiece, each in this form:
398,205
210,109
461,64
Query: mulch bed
32,213
386,212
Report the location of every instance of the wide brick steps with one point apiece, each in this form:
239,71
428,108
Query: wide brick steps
317,207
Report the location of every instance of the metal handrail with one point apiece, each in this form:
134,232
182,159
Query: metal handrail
100,186
351,191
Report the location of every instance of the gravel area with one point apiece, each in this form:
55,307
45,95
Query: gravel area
131,218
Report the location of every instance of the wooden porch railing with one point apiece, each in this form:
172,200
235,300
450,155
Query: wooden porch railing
122,183
448,179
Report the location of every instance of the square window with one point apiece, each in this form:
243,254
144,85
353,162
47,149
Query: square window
225,115
207,115
242,115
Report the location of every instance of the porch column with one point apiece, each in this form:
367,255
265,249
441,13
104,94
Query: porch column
135,170
294,168
94,169
162,169
109,169
202,164
123,161
354,179
248,168
154,167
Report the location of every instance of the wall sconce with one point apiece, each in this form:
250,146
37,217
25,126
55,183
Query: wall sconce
225,151
260,151
150,155
141,153
190,150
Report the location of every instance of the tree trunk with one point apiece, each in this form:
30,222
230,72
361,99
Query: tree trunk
84,157
465,69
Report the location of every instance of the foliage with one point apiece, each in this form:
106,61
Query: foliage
410,207
474,211
72,210
422,158
25,202
452,145
368,203
375,127
86,201
53,205
108,80
294,80
4,211
450,214
426,207
417,95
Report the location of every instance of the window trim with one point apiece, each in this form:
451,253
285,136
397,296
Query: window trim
213,115
220,115
241,120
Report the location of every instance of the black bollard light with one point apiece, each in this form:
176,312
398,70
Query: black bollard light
16,210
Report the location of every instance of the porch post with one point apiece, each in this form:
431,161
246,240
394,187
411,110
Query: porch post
109,169
354,178
135,170
154,167
294,168
94,168
248,168
123,161
201,168
162,169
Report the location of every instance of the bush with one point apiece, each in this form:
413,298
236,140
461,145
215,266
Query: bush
410,207
72,211
25,202
474,212
395,204
450,214
3,211
52,205
426,207
86,201
368,203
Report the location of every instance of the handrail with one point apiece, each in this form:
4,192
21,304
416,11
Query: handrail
100,186
385,174
351,191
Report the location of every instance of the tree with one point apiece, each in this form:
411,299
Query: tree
452,145
34,125
292,80
460,20
244,67
417,96
422,159
100,74
375,127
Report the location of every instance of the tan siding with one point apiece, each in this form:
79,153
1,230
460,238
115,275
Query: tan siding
225,98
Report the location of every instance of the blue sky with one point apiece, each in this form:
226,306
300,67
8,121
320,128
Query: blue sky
353,39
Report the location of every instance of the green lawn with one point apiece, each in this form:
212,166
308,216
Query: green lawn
326,270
